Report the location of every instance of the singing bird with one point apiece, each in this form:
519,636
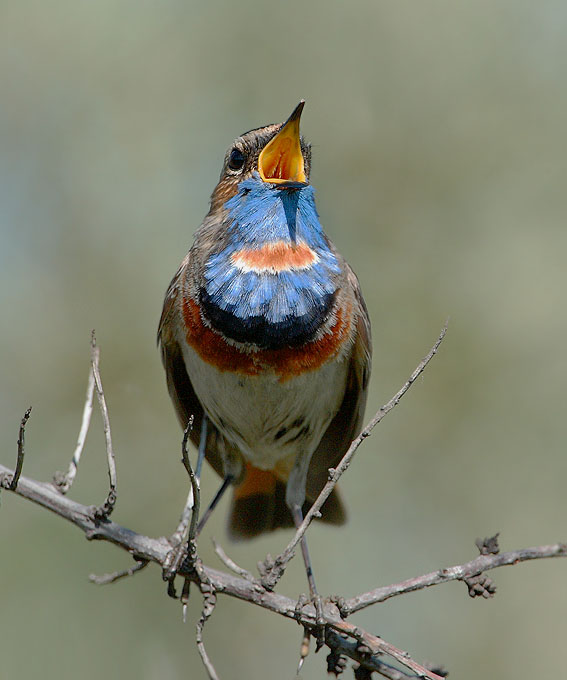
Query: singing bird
265,336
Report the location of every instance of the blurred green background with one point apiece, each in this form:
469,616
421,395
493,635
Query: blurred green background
439,147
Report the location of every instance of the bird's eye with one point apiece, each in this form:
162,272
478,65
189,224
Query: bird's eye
236,159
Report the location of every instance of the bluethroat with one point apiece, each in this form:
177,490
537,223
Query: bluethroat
265,337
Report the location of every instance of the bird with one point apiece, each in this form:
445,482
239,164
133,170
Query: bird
265,337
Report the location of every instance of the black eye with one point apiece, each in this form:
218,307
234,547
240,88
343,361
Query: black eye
236,159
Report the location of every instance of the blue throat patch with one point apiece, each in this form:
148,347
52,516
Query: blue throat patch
274,308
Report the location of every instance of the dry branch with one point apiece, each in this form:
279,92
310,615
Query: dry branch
343,638
103,512
64,481
459,572
21,451
144,548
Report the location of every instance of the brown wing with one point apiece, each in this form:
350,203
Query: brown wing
347,424
179,385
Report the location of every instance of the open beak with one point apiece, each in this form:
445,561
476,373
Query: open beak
281,161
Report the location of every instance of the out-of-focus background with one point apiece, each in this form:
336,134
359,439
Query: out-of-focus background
439,147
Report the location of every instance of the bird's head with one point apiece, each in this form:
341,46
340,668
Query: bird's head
277,154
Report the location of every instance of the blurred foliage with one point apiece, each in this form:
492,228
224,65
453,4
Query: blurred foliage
438,133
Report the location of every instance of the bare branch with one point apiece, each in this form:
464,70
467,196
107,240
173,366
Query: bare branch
178,535
105,579
9,479
209,602
65,481
342,637
21,451
355,651
149,549
107,507
225,559
274,574
181,549
156,550
376,645
194,484
460,572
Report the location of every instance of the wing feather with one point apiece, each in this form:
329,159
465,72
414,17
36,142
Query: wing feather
348,421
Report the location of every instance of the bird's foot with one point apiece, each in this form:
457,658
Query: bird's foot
318,632
181,558
320,621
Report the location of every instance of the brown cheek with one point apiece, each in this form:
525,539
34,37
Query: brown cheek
225,190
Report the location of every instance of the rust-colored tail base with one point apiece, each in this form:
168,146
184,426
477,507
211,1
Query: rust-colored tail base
258,506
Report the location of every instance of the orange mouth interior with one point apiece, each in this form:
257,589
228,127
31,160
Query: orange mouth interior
281,160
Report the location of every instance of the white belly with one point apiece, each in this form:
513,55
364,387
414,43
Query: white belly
265,418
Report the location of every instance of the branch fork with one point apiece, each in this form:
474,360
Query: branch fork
344,639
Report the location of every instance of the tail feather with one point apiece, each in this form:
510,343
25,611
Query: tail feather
258,506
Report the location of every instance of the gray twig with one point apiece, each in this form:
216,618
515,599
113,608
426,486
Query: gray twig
342,637
105,579
8,479
179,534
460,572
194,485
225,559
104,511
180,549
209,602
21,450
64,481
351,648
157,550
376,645
280,562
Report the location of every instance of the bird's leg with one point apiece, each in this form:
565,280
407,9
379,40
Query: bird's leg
297,514
226,482
295,497
232,471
